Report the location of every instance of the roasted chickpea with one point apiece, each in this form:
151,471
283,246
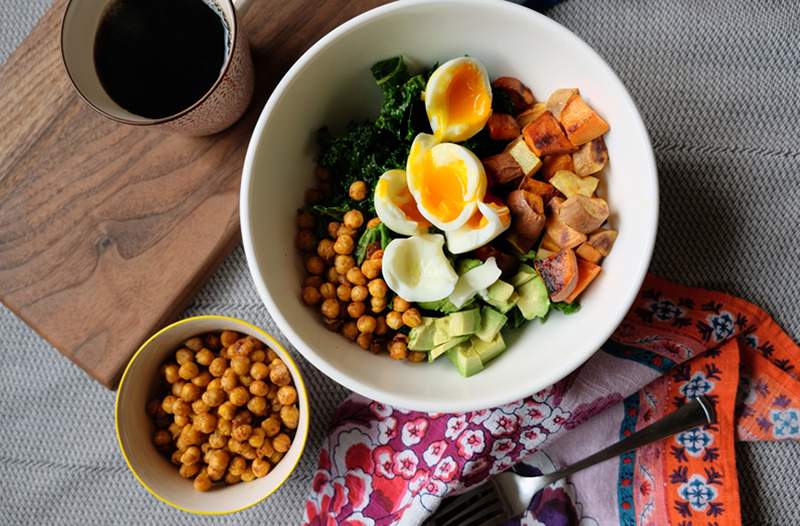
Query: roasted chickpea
259,388
240,365
214,384
234,446
213,397
398,349
356,277
311,296
211,341
257,405
190,392
290,415
227,410
177,388
181,420
216,440
328,290
259,371
380,326
181,408
183,355
266,449
228,338
218,459
188,370
416,356
377,305
202,482
162,438
342,263
224,426
205,448
330,308
247,475
366,324
231,479
400,305
242,432
359,293
239,396
258,356
412,317
188,471
271,426
344,244
242,417
260,467
191,436
198,406
343,292
194,344
174,430
279,373
356,309
218,366
205,423
202,379
229,380
168,403
175,458
276,406
371,268
325,249
248,451
305,240
333,276
171,373
275,458
191,455
364,340
376,347
287,395
237,465
378,288
256,438
312,281
281,443
204,357
315,265
350,330
358,190
215,474
305,220
353,219
378,254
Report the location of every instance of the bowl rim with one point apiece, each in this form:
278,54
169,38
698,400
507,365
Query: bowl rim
637,274
303,397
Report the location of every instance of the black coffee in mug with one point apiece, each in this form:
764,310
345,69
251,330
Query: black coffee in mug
156,58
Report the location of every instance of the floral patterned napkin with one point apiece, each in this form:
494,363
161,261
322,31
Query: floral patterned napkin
383,465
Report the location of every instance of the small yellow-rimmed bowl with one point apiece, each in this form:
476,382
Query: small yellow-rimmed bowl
135,427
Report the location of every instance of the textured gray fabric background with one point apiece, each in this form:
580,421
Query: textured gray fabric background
718,85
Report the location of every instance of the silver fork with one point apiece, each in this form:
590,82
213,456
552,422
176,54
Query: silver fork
508,494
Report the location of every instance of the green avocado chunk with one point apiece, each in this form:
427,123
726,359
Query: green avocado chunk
465,359
525,274
534,301
421,338
463,322
491,323
446,346
487,351
499,292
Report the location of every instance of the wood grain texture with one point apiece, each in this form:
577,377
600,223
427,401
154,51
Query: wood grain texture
107,230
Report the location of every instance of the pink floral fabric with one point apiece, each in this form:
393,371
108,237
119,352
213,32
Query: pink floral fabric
383,465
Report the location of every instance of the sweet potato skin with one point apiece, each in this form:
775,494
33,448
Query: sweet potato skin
521,97
587,271
528,218
591,157
545,136
540,188
502,127
555,163
581,123
501,168
560,273
603,241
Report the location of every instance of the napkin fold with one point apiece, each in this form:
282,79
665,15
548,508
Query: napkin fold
383,465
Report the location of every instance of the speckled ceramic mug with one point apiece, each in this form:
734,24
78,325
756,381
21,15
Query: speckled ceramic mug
217,109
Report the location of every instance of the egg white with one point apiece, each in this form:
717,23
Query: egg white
391,193
416,268
468,238
437,102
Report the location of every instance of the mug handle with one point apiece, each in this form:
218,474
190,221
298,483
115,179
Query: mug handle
242,6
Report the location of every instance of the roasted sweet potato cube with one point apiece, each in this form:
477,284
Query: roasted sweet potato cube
559,99
547,243
591,157
560,273
554,163
502,127
524,156
545,190
581,122
528,218
531,114
584,214
516,161
564,235
521,97
570,184
545,136
587,271
603,240
588,253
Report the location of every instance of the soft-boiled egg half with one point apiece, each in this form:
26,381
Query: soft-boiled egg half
458,99
396,207
491,219
446,180
416,268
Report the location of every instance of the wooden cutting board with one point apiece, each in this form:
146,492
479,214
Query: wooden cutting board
107,230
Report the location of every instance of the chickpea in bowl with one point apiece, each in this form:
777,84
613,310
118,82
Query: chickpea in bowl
212,415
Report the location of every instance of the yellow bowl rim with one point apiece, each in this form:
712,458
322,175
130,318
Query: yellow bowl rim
271,341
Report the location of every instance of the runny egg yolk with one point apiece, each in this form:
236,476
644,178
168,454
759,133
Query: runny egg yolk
467,99
408,205
442,187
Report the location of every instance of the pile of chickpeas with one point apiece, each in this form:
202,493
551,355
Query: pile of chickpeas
229,410
353,300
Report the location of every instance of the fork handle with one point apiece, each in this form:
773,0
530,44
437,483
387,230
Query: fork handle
698,411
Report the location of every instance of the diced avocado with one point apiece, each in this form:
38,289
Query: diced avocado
421,337
446,346
488,350
463,322
467,264
534,301
506,306
465,359
441,331
491,323
499,292
525,274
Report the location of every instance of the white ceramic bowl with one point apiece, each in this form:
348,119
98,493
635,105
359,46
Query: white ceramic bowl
331,84
135,429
